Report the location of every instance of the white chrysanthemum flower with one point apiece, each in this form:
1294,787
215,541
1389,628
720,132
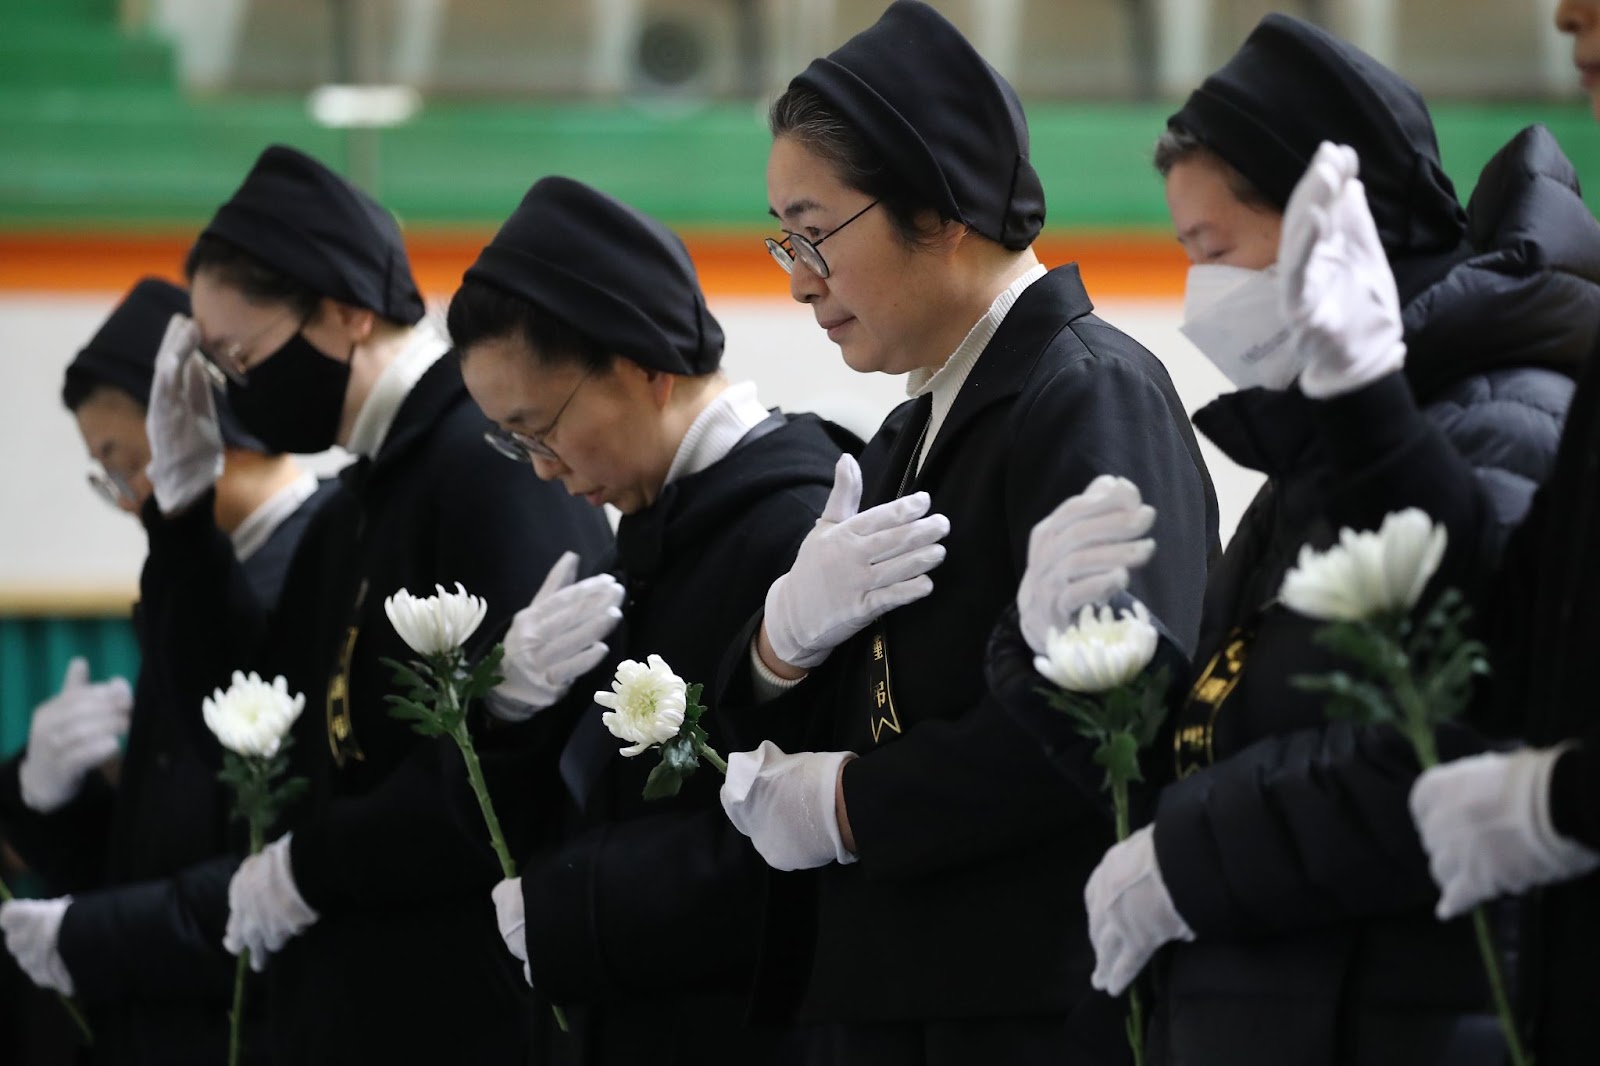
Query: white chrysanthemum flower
1100,651
252,717
1367,574
435,625
647,704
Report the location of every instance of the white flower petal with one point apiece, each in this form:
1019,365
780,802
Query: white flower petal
1367,574
252,717
648,704
1100,651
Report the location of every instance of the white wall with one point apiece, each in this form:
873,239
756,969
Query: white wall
57,537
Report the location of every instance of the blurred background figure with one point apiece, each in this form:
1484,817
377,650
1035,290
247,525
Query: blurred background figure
130,850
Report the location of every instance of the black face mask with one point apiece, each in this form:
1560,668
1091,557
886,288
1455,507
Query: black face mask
294,398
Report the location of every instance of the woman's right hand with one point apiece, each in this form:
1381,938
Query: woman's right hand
555,640
1080,554
181,422
853,567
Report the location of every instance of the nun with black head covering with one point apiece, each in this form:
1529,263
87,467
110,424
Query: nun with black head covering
1282,865
932,858
138,860
372,897
585,337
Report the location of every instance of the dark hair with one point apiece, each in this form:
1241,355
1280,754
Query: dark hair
482,312
1177,144
801,113
79,388
238,269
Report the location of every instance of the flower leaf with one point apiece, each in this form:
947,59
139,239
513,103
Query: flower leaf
1353,698
1365,643
484,675
1152,706
663,782
1120,757
410,675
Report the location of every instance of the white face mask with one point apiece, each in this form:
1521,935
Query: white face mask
1234,317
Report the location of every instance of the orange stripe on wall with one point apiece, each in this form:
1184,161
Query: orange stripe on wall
1137,264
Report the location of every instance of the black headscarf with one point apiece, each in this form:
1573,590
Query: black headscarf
616,275
944,119
305,221
1292,86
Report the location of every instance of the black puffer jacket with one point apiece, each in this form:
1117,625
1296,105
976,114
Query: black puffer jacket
1286,843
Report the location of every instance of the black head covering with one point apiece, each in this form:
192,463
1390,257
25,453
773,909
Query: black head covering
944,119
122,353
617,276
302,219
1292,86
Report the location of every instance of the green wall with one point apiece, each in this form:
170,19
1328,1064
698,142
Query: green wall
139,158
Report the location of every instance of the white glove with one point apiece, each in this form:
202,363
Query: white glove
1130,912
1485,822
32,929
852,567
785,805
508,913
265,908
185,439
72,732
1338,291
1080,554
555,640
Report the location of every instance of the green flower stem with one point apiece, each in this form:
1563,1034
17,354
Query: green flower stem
1419,730
450,702
710,756
68,1004
241,965
480,788
1135,1024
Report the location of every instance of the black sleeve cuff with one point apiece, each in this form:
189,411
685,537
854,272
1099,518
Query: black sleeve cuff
1365,427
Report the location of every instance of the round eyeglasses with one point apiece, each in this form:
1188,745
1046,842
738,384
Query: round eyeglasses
111,486
806,250
226,363
524,447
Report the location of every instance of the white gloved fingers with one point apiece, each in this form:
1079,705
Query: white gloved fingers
1046,605
580,662
559,576
1305,217
901,568
888,516
199,397
888,543
1106,494
1128,960
178,343
511,917
90,730
91,752
1107,955
32,932
744,767
77,675
844,499
1107,527
1099,559
892,597
593,600
1091,590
